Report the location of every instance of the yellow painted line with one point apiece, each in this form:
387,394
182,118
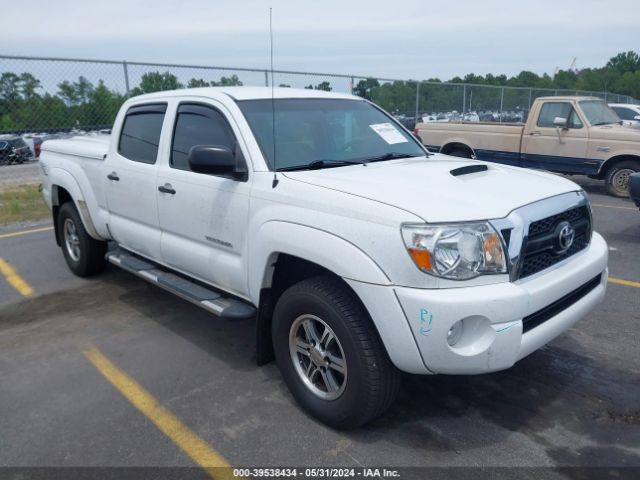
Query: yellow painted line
25,232
15,280
190,443
621,281
612,206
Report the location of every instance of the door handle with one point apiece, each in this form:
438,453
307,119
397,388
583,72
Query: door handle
167,188
535,132
113,176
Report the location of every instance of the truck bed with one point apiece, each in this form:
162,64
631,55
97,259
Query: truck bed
90,146
494,137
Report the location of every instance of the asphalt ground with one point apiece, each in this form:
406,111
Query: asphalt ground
113,372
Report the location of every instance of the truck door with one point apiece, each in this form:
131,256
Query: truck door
550,147
203,217
131,186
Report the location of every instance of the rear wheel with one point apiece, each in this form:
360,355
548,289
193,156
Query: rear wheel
84,255
617,178
330,354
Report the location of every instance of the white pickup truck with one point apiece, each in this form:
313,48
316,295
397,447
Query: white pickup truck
359,253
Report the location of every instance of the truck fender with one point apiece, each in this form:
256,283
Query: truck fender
325,249
339,256
63,179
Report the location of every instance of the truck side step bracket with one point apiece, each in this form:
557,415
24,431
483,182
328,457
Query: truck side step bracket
209,299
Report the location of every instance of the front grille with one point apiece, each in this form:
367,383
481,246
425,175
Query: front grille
531,321
540,251
548,224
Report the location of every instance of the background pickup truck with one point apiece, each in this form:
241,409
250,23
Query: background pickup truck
357,253
574,135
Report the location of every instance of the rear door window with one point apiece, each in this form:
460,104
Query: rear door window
140,135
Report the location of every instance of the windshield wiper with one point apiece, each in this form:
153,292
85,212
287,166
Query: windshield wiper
391,156
316,164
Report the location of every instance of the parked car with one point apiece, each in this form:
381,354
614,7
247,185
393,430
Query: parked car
13,150
471,117
34,142
628,113
37,145
28,140
359,253
574,135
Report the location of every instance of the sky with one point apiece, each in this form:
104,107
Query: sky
391,39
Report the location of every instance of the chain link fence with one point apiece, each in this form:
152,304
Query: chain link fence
44,98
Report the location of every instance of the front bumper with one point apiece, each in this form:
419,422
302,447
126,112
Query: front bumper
492,337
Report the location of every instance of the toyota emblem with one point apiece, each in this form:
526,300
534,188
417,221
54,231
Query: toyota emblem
566,234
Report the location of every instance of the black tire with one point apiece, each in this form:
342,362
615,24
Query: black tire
460,152
617,177
371,381
90,252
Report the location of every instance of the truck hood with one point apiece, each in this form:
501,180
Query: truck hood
426,187
624,133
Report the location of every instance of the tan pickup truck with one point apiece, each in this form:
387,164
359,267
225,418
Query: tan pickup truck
573,135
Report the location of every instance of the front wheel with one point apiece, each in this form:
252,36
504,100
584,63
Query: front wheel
330,354
617,178
84,255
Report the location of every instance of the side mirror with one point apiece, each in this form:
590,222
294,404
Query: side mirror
560,122
213,160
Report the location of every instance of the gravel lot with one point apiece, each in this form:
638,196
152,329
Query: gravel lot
575,403
26,173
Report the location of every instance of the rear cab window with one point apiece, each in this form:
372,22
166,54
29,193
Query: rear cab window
140,135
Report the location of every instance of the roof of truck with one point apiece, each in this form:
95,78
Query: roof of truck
249,93
568,97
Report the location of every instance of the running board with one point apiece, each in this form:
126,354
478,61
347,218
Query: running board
203,297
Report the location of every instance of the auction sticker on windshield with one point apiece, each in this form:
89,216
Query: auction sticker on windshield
389,133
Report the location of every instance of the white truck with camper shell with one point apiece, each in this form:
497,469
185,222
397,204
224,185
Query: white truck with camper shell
358,252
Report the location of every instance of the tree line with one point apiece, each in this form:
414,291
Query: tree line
83,104
620,75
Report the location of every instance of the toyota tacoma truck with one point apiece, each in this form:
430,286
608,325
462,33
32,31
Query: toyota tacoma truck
358,253
572,135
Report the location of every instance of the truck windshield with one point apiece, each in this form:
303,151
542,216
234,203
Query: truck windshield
598,112
322,133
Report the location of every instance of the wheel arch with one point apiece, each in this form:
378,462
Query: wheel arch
312,252
610,162
64,188
457,144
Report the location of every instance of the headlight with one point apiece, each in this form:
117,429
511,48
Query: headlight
455,251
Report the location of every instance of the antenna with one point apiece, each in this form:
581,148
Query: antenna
273,105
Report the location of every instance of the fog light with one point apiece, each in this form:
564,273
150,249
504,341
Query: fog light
455,333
